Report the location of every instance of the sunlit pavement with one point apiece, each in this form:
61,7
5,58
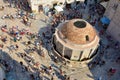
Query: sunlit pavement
81,73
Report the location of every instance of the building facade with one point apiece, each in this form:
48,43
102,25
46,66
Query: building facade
113,13
76,40
38,5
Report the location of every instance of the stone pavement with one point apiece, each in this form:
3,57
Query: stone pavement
36,26
39,25
2,73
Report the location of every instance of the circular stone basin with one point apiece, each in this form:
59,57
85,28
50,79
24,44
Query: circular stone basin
80,24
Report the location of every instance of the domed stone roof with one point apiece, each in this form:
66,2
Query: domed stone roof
78,31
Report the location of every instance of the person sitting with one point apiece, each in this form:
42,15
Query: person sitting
16,47
1,45
5,26
1,8
111,71
4,39
118,60
4,29
117,45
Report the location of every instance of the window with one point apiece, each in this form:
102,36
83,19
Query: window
54,42
81,52
87,38
60,3
94,53
54,38
67,53
59,48
55,4
90,53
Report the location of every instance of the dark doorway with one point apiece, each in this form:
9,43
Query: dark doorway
77,2
67,53
55,4
87,38
90,53
81,52
94,53
85,2
68,6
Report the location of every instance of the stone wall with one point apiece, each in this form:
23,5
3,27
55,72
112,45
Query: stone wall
35,3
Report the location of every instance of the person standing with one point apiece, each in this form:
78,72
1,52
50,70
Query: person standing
10,2
15,39
100,78
16,46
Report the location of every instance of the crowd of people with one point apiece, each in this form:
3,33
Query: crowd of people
17,35
37,42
